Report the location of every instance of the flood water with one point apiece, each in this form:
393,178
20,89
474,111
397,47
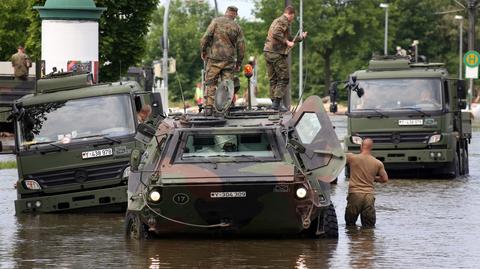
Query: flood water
420,224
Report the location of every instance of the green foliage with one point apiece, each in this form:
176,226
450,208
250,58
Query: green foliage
188,20
13,25
123,28
8,165
33,43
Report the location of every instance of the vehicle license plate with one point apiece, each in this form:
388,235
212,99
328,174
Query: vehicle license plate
410,122
97,153
228,194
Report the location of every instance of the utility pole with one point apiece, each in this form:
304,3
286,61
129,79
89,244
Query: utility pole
216,8
287,99
300,56
472,12
165,58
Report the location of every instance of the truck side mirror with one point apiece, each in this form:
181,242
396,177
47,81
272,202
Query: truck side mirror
352,84
135,159
157,107
461,89
333,92
145,133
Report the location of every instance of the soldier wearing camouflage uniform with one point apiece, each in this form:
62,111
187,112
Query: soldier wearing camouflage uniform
276,49
222,48
364,171
20,63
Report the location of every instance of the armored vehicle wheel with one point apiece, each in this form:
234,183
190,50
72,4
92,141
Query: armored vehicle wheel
134,228
328,227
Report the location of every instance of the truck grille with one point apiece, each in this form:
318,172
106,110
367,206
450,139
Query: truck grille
397,138
79,175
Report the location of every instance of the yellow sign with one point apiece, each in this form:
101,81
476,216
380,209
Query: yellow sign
471,58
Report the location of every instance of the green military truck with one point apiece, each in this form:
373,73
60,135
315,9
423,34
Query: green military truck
73,143
413,113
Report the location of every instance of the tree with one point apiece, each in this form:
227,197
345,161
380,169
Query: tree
33,42
13,25
188,20
123,28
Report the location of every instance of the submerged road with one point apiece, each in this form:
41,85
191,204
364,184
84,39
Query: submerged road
420,224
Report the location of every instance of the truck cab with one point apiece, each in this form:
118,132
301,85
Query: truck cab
412,111
73,143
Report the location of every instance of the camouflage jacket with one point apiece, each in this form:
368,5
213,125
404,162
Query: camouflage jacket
278,34
20,62
222,40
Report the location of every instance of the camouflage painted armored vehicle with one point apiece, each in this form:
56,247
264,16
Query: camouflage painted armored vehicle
250,172
413,113
73,143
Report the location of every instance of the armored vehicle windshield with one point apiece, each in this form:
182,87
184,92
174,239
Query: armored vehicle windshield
79,119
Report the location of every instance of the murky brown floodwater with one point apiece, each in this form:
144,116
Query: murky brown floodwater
421,223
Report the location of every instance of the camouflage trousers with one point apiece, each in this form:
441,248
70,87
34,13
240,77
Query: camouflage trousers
362,204
277,68
216,69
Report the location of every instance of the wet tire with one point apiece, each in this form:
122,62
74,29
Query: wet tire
328,227
135,228
330,222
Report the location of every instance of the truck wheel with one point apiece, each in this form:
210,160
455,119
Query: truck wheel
134,228
454,167
330,223
466,169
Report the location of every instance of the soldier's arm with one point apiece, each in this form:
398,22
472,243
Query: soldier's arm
240,48
207,38
349,157
278,32
382,175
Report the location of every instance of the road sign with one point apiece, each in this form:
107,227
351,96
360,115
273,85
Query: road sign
471,72
471,58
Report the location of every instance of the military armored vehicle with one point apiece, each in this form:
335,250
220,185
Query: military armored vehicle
73,143
413,113
249,172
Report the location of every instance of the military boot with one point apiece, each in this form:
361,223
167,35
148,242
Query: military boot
276,103
208,111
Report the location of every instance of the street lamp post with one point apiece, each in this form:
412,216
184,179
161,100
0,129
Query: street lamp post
385,6
460,45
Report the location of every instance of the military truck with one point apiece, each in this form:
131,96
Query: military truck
245,173
73,143
413,113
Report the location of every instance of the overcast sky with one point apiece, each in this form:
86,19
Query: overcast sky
245,7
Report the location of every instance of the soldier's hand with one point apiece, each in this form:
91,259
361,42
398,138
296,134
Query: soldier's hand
304,35
290,44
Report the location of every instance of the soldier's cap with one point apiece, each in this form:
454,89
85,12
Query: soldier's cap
232,9
20,46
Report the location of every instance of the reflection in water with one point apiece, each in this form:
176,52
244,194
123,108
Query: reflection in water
420,224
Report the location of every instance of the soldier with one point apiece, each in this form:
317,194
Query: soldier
222,40
276,49
20,63
364,171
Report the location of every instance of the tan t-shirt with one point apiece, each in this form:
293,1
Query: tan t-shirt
20,63
363,169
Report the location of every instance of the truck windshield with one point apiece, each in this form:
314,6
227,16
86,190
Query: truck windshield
227,147
79,119
397,95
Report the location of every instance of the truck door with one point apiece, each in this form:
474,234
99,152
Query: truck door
313,143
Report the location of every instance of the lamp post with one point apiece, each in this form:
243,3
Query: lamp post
460,45
385,6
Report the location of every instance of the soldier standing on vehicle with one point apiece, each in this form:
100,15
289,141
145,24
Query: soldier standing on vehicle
364,171
222,48
20,63
276,49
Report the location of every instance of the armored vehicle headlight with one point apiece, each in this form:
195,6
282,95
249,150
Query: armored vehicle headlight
154,196
356,140
435,139
301,192
126,172
32,185
38,204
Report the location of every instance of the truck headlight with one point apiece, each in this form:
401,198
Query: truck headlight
434,139
356,140
301,193
154,196
32,184
126,172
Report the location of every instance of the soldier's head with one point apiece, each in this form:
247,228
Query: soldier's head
367,145
231,12
20,48
289,12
